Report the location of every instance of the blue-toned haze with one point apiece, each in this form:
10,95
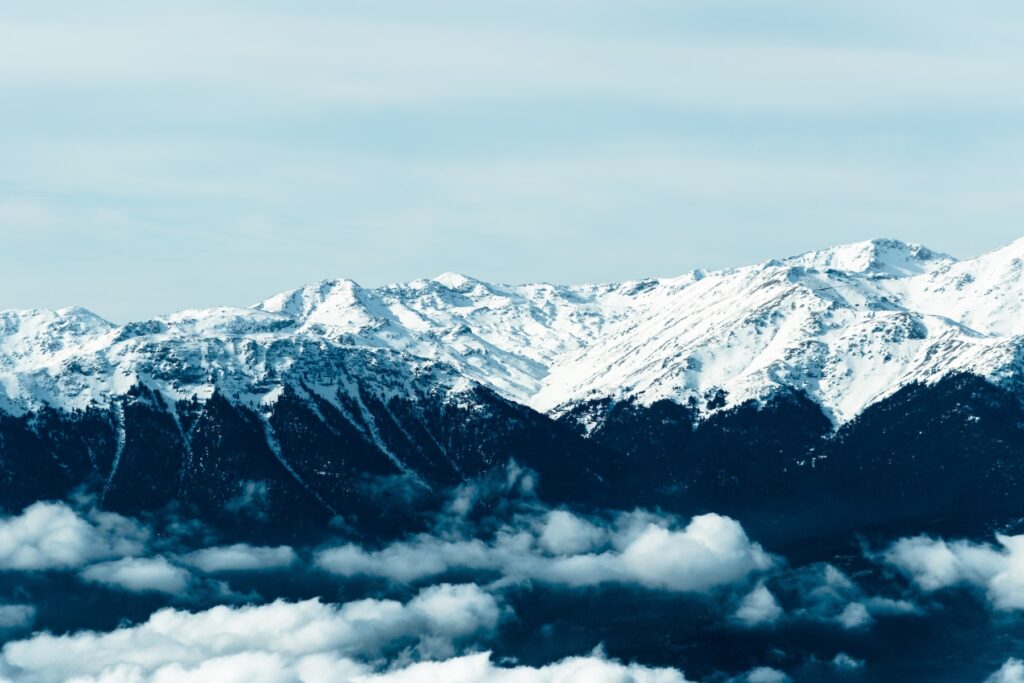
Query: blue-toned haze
156,156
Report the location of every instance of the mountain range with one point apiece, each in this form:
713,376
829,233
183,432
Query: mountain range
877,379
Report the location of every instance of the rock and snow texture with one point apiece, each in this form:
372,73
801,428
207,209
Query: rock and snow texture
846,326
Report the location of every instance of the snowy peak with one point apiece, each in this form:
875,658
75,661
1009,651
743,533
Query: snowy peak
456,281
881,257
845,326
301,303
985,293
31,333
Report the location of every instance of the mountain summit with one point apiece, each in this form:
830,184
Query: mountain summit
885,257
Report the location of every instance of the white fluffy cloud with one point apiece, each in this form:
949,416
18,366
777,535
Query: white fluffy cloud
139,575
845,663
934,564
280,641
241,557
478,668
638,548
564,533
53,536
262,666
759,607
765,674
1010,672
854,615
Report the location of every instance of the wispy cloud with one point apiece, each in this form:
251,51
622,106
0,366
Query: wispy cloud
349,57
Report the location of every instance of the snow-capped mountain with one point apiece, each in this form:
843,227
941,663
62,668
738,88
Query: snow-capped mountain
867,380
846,326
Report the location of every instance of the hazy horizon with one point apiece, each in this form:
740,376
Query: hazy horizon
266,295
161,158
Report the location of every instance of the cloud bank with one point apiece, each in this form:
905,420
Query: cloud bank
306,642
53,536
241,557
280,641
478,668
934,564
274,667
139,575
564,549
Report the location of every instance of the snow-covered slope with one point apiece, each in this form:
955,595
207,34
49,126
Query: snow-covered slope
847,326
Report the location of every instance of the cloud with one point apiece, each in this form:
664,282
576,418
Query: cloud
258,667
275,667
759,607
823,593
240,557
854,615
711,550
845,663
16,616
139,575
252,499
457,610
53,536
879,606
1010,672
479,667
344,57
931,563
764,674
637,548
273,642
934,564
566,534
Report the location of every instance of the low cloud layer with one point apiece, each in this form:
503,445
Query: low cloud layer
281,641
934,564
564,549
53,536
477,668
241,557
139,575
1010,672
108,549
484,534
274,666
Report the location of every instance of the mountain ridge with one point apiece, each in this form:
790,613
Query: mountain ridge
847,325
806,398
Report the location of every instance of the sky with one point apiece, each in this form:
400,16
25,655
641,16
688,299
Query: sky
160,156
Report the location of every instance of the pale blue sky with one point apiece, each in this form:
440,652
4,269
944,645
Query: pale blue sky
157,156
